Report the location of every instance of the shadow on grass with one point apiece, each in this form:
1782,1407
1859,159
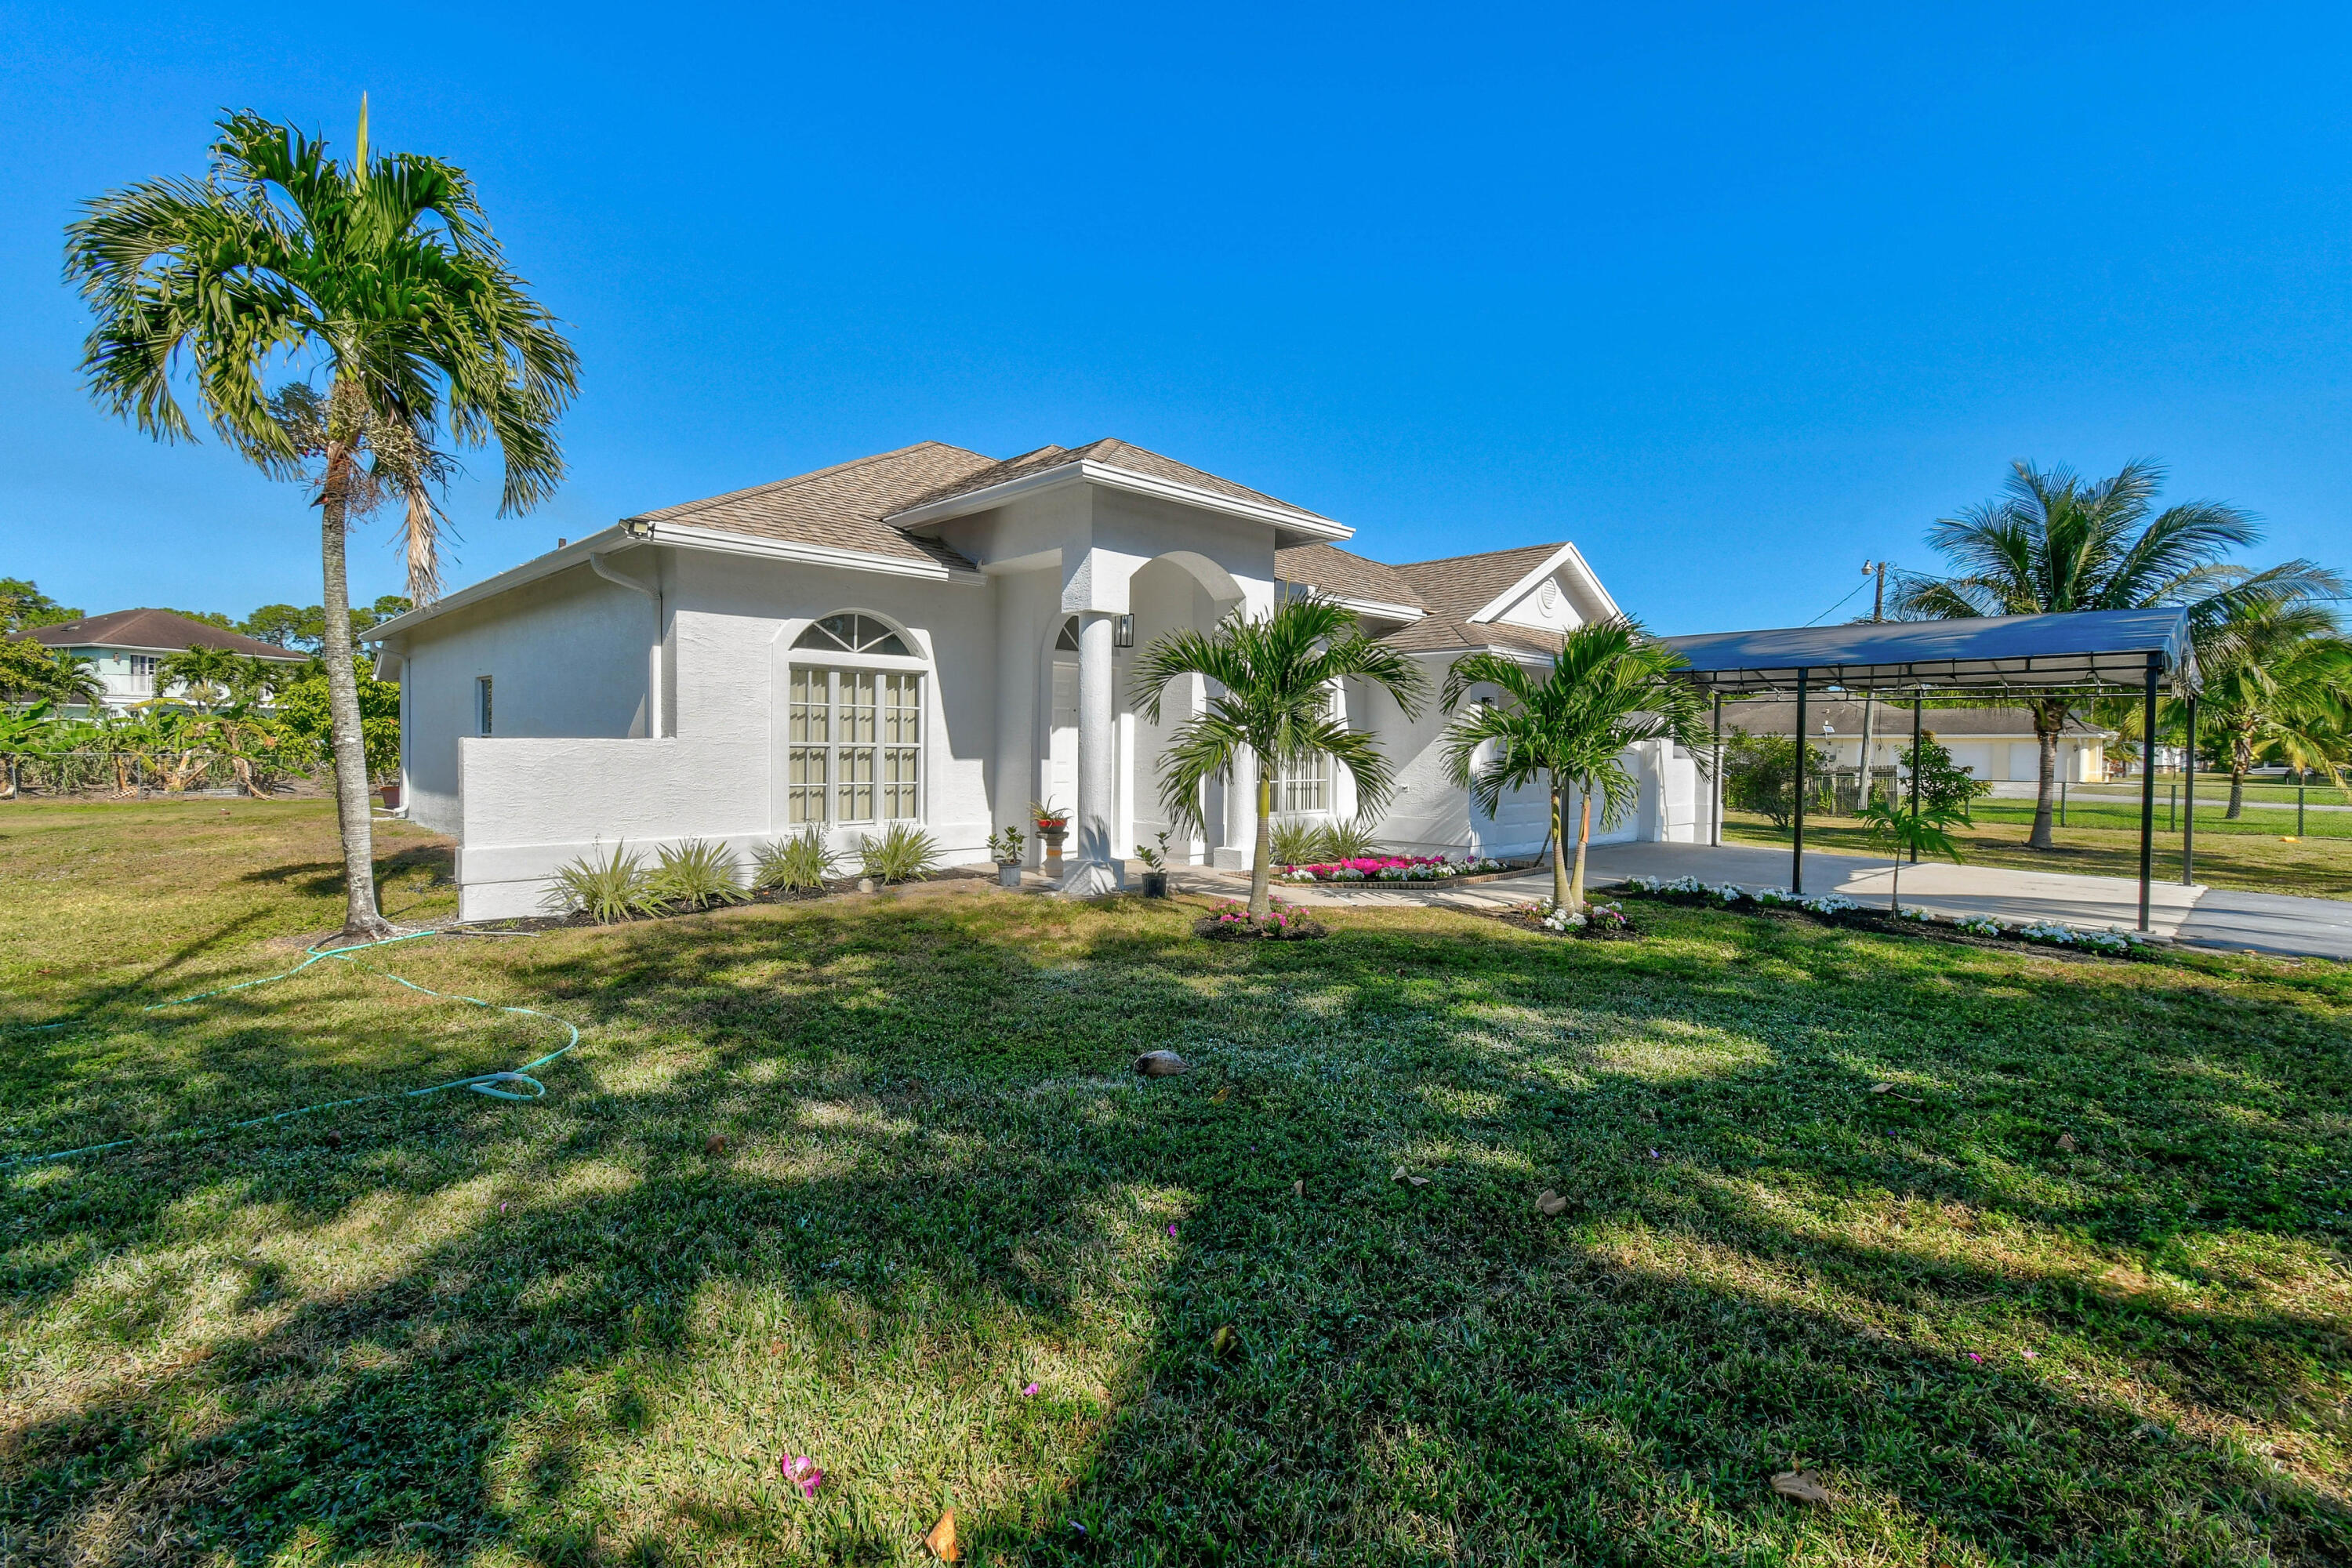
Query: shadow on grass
936,1146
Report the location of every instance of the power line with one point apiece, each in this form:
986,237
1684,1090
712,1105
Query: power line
1834,608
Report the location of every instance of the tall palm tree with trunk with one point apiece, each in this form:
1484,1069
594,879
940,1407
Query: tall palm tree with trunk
2057,542
1568,725
1277,676
377,279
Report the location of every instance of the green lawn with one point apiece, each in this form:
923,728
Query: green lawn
451,1329
2104,841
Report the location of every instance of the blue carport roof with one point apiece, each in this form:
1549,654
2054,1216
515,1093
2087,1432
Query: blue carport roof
2073,651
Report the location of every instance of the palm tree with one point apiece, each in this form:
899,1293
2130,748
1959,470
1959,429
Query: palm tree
381,275
2278,678
206,674
77,682
1608,687
2057,542
1277,676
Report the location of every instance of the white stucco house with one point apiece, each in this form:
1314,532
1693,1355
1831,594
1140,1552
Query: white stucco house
1996,745
933,636
125,646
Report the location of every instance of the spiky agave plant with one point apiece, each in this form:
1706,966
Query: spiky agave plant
903,853
801,864
607,890
695,875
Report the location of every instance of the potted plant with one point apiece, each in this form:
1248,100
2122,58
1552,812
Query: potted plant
1005,849
1155,868
1053,826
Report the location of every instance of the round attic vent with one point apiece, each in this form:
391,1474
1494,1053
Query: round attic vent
1548,597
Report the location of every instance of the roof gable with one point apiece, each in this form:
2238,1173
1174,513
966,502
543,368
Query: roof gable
1109,453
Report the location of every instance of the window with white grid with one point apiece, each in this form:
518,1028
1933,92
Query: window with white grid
1307,787
854,748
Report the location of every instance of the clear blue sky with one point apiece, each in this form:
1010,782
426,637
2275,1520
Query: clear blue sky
1734,297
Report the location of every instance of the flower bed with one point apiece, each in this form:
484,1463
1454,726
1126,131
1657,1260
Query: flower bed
1594,922
1389,868
1837,908
1281,922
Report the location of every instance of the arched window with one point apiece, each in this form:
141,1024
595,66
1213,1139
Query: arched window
1122,633
852,634
854,725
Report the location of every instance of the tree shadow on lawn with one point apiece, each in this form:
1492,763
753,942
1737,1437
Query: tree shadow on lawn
943,1180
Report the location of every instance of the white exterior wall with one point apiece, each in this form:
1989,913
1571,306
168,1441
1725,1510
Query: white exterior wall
566,657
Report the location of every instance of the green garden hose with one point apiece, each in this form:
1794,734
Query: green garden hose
526,1088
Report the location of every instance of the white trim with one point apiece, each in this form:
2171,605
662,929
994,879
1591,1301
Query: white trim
726,544
1566,555
1381,608
1091,472
576,553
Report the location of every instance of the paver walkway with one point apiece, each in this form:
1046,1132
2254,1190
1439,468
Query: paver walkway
2206,917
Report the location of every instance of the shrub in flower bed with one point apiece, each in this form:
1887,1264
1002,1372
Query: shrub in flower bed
1837,908
1594,922
1281,922
1389,868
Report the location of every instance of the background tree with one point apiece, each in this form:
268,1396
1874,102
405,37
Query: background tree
22,606
74,682
2056,542
287,626
1759,773
212,618
27,671
1569,724
2278,681
382,277
1278,675
204,674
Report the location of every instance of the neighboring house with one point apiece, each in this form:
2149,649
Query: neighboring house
124,647
1996,745
928,635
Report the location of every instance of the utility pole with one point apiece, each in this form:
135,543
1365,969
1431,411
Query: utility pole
1877,614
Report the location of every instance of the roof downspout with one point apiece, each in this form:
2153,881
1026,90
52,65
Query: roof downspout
653,716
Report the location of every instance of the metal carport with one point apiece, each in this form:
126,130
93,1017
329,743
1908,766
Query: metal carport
2085,652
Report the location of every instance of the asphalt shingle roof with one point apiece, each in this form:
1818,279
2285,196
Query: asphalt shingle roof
841,506
1345,574
152,629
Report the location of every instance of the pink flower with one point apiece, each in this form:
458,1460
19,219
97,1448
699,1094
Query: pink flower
2031,1355
1030,1392
1171,1230
1976,1358
802,1471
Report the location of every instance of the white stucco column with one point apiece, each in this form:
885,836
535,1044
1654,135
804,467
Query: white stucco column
1240,816
1096,870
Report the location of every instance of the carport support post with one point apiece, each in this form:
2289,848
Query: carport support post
2188,817
1797,853
1915,706
1715,827
2147,790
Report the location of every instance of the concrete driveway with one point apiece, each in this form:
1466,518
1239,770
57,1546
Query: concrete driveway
2205,916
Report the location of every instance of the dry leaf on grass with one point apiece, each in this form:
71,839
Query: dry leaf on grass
2066,1143
1221,1095
942,1540
1298,1188
1879,1087
715,1144
1225,1341
1804,1486
1401,1174
1549,1203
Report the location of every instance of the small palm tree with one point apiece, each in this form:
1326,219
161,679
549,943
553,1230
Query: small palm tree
1569,725
1277,676
382,277
2057,542
77,682
1926,831
2278,678
205,674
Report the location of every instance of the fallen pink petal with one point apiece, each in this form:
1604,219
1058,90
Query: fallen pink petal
1030,1391
802,1471
1171,1230
2031,1355
1974,1357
